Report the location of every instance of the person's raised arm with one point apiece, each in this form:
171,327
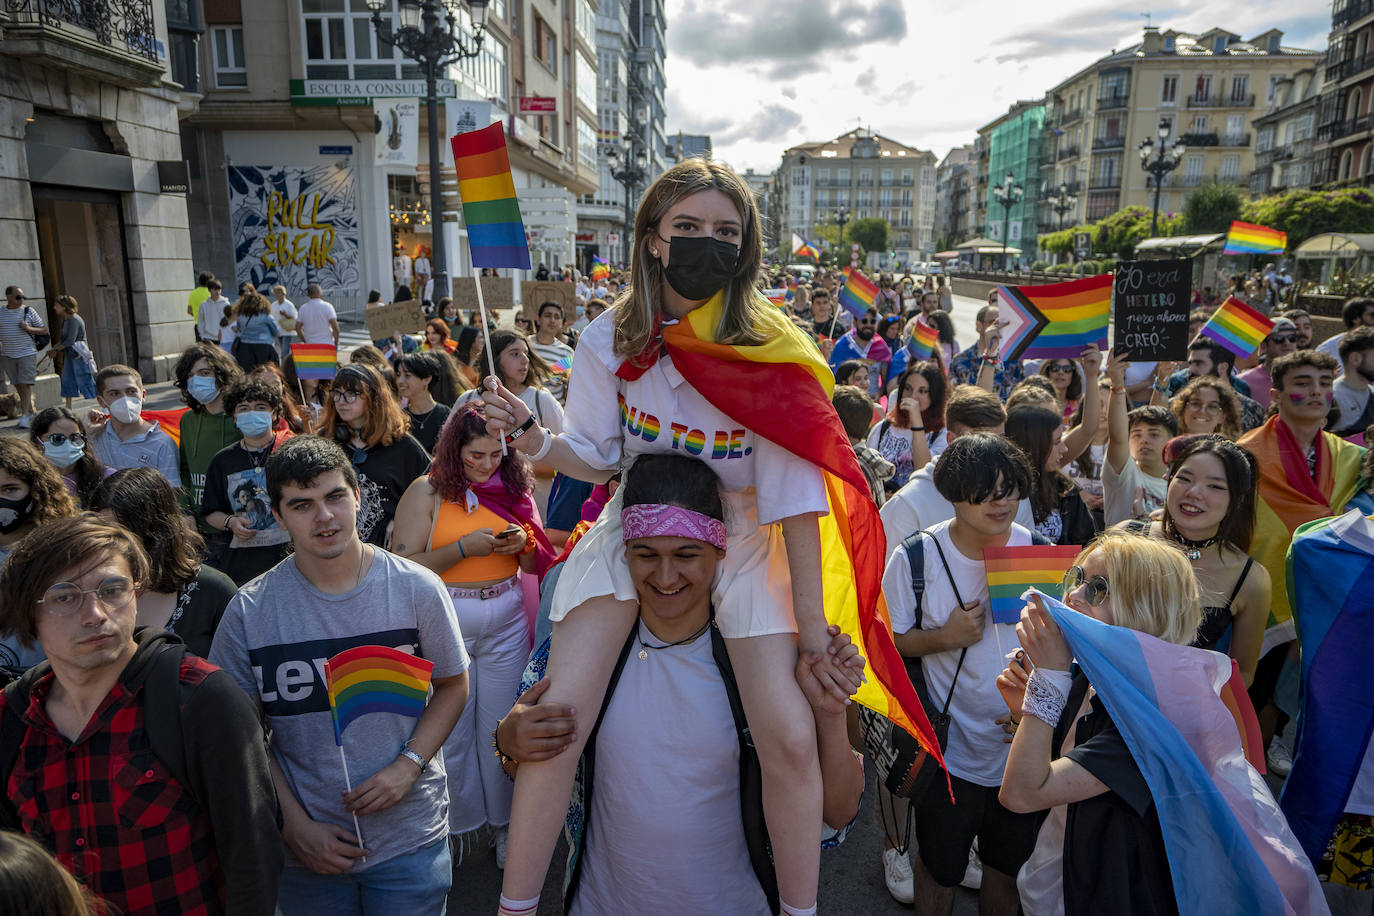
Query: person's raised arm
989,344
1081,436
506,412
1118,427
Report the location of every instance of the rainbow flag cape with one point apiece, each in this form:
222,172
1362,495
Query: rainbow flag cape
1248,238
368,679
922,342
317,361
765,388
1289,498
1330,568
1012,570
1167,702
169,420
496,233
1057,320
802,248
1237,327
858,293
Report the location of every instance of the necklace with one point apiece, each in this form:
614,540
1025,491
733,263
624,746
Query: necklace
644,645
362,558
1192,549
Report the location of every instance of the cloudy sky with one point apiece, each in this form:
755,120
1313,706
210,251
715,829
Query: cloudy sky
760,77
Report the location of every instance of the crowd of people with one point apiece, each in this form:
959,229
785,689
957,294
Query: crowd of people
651,659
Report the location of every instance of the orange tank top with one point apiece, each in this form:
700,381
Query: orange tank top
453,522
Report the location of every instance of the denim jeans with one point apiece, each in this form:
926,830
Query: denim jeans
417,883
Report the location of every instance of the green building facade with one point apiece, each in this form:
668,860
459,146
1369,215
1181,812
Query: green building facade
1016,141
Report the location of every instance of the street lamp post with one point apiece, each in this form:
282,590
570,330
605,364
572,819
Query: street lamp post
433,46
1008,194
1159,159
1061,201
629,167
839,218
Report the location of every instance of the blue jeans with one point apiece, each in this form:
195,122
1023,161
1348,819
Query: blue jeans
416,883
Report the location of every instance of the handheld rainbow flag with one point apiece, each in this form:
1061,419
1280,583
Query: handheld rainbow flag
1248,238
496,233
1237,327
1012,570
563,365
315,361
923,340
777,296
600,271
858,293
1055,321
802,248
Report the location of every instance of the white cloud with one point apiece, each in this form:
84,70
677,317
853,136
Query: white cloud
762,77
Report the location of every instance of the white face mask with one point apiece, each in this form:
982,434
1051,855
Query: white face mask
126,410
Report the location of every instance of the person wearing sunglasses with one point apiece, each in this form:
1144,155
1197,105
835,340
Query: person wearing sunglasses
144,770
1281,340
1067,381
366,418
58,432
863,343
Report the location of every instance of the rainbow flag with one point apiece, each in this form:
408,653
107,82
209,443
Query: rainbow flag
1057,320
562,365
765,388
315,361
858,293
801,248
777,296
1167,701
496,233
169,420
1248,238
1330,566
600,271
1012,570
1237,327
369,679
923,341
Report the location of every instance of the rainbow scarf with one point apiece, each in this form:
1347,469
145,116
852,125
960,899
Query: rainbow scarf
1289,497
766,387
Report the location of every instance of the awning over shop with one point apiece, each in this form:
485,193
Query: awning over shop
985,246
1336,245
1182,244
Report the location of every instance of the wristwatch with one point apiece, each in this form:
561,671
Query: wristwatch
413,757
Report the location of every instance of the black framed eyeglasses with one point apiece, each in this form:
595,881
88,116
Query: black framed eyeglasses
1096,590
62,438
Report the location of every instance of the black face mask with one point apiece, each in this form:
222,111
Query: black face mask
699,266
14,513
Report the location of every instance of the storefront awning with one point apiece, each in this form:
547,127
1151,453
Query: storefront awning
1336,245
1183,244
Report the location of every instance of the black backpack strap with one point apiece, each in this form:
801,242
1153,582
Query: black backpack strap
916,560
949,697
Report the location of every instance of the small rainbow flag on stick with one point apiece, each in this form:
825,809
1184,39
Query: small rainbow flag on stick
777,296
496,232
802,248
923,340
1248,238
1012,570
858,293
1237,327
315,361
1057,320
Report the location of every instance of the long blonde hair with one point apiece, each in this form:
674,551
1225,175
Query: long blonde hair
1153,587
639,305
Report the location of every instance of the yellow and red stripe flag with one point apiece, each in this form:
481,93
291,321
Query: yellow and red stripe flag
766,387
1248,238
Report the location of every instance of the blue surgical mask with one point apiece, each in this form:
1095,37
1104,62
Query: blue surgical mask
203,388
581,310
64,455
253,423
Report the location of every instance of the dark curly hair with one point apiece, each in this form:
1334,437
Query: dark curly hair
446,473
51,498
227,370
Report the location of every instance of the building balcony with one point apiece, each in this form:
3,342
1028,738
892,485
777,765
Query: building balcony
1343,128
1104,182
1350,67
107,39
1071,116
1067,152
1110,100
1234,140
1351,12
1101,143
1221,101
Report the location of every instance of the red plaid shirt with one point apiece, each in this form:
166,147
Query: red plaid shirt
112,813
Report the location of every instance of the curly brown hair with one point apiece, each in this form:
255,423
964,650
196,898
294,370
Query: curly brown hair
24,462
1230,405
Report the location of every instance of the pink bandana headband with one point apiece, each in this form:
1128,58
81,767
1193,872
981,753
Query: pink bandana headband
649,520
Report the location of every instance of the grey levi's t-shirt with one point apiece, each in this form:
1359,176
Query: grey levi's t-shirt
277,633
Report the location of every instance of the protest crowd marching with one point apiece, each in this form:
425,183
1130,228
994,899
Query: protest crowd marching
1082,625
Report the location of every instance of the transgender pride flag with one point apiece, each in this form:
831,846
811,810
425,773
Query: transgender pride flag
1230,849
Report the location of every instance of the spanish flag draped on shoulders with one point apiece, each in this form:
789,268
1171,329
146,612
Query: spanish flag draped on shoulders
780,389
1290,494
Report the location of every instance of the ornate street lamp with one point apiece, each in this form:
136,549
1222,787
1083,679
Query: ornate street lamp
629,166
433,45
1008,194
1061,201
1159,159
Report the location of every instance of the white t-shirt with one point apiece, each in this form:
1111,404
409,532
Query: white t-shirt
208,318
284,309
919,505
313,322
609,420
422,267
1332,345
1351,399
400,269
975,751
664,829
1130,494
552,354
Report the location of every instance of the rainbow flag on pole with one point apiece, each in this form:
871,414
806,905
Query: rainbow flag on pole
496,232
1057,320
1012,570
923,340
858,293
375,679
1237,327
802,248
1248,238
315,361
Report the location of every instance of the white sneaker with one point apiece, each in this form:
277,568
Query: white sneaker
25,421
897,874
498,842
973,875
1278,759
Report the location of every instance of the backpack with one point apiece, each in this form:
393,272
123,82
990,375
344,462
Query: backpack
40,341
162,704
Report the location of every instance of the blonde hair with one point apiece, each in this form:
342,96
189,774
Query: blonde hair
639,305
1152,585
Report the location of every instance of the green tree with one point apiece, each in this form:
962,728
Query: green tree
1212,208
1303,214
870,233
